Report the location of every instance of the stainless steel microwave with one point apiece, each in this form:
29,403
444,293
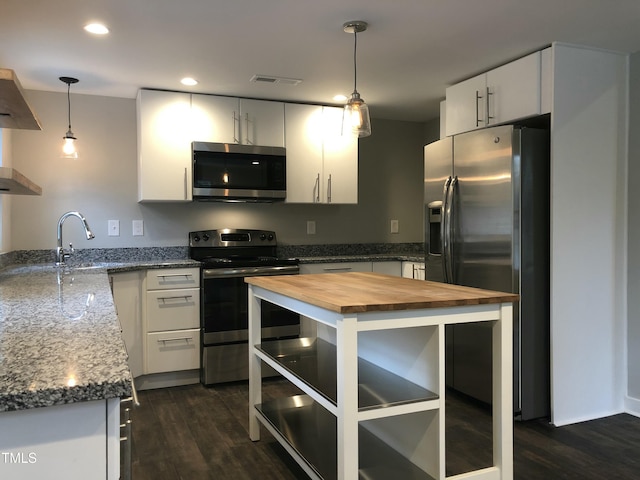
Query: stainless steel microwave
241,173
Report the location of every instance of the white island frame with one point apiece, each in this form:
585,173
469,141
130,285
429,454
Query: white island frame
408,342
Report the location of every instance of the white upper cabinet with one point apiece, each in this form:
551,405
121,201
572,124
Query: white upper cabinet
164,146
303,142
340,160
322,164
235,120
466,105
261,123
504,94
215,119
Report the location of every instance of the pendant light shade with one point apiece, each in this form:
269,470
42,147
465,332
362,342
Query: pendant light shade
356,111
69,145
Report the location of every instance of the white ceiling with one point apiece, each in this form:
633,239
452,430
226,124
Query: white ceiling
412,50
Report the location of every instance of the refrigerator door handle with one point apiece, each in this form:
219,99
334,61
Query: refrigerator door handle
444,229
449,215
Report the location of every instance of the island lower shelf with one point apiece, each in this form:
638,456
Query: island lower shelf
313,361
310,431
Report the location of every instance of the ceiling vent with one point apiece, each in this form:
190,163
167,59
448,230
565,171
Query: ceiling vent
275,80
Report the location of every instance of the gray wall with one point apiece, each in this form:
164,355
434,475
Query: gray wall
102,185
633,269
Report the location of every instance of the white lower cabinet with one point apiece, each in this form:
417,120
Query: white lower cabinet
413,270
387,267
126,288
159,312
76,441
173,350
172,320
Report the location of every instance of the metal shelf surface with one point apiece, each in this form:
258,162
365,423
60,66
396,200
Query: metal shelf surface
313,360
310,431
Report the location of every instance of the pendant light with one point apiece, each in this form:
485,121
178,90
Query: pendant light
69,145
356,112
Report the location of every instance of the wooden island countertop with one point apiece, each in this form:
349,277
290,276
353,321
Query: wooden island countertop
358,292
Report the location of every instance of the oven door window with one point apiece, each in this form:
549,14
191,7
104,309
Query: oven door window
225,307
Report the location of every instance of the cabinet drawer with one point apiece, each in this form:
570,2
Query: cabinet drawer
173,309
173,278
336,267
173,350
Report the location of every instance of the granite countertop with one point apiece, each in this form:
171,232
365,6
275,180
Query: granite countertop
60,339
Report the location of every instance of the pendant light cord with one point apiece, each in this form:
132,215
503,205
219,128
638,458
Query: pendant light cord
355,65
69,103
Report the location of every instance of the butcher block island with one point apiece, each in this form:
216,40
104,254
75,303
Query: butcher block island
371,382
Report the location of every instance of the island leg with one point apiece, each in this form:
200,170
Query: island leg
255,367
347,390
503,392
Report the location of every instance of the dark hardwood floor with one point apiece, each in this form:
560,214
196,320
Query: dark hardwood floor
194,433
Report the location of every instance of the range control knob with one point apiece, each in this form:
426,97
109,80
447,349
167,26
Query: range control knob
270,237
205,237
196,238
263,236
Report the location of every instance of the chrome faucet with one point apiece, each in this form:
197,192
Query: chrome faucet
61,255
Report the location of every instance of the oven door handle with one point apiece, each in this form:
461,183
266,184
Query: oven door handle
249,271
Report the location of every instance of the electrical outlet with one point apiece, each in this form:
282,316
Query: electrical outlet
311,227
114,228
137,228
394,226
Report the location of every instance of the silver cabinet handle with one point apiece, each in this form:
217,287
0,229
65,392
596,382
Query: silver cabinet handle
316,190
329,189
186,181
235,135
247,140
184,297
489,116
337,269
169,275
478,119
175,339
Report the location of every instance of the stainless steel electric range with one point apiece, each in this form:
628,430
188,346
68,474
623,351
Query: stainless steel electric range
227,257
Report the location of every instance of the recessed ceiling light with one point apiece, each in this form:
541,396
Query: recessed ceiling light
189,81
340,98
96,28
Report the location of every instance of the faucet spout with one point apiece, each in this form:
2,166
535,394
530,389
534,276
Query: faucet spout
61,255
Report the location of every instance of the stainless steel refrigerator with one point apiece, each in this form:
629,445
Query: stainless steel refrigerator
487,226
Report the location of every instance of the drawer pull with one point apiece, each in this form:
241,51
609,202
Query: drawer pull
185,297
336,269
176,339
168,275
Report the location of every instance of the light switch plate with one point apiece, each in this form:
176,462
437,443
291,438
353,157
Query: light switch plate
395,228
311,227
137,228
114,228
